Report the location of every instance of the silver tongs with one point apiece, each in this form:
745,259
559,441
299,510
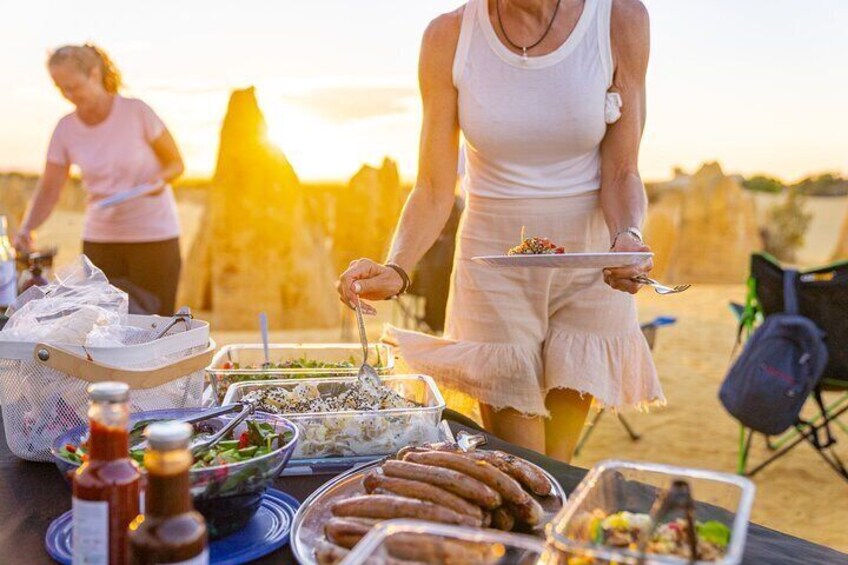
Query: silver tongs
183,315
204,442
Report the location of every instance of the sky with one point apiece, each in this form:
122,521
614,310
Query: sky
758,85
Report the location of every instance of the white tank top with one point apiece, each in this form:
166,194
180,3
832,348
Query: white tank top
533,127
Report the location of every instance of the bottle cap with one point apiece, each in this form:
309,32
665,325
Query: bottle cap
109,392
168,435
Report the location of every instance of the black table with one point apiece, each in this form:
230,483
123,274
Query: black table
33,494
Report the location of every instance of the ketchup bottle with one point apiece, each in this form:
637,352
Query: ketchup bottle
106,487
170,530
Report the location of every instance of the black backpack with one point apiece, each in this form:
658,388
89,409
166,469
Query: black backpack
780,366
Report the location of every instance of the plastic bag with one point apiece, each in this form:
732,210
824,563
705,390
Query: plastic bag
78,303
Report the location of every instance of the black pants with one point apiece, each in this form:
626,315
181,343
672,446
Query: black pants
149,272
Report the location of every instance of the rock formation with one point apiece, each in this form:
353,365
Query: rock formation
259,250
703,228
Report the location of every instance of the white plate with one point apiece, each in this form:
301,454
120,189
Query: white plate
565,260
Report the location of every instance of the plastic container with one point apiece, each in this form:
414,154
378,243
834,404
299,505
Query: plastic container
340,435
227,495
430,542
615,486
243,362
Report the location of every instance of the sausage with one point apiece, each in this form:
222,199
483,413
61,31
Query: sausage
439,551
346,532
503,519
530,513
377,482
386,507
327,553
458,483
524,472
505,485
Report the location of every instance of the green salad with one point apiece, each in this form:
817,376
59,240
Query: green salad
260,438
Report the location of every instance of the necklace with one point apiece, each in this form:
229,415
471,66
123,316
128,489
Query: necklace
525,48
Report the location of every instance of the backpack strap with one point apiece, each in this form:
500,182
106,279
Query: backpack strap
790,291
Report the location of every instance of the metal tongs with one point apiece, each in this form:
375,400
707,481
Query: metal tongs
204,442
183,315
677,498
367,374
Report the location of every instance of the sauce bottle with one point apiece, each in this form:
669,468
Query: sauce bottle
105,488
170,530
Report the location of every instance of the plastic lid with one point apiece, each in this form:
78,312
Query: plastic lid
109,392
168,435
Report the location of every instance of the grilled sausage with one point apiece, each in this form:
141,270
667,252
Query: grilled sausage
502,519
522,471
505,485
530,513
458,483
439,551
327,553
377,482
386,507
346,532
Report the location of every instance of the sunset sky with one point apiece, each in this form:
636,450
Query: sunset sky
759,85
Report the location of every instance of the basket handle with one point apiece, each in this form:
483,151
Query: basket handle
93,372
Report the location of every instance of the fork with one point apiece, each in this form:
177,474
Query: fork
659,287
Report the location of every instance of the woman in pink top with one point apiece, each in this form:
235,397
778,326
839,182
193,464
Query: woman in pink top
118,143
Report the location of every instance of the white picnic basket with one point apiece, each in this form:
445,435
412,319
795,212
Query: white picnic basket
42,387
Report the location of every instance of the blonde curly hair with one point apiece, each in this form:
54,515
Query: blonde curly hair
86,57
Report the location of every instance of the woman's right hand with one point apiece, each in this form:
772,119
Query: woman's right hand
24,241
369,280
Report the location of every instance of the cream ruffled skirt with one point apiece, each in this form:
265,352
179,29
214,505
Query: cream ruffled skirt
512,335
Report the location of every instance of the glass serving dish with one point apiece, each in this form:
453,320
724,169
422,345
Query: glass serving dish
244,362
404,541
227,495
626,486
334,441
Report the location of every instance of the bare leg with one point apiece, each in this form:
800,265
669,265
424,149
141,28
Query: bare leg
568,414
510,425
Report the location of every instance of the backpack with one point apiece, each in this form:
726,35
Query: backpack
779,367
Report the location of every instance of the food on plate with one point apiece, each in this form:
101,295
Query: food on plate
419,548
307,397
260,438
624,529
458,483
381,484
535,246
506,486
528,475
439,483
346,532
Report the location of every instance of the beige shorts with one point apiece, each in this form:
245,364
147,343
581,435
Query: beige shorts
513,334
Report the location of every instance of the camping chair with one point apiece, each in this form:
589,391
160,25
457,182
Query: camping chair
823,298
650,332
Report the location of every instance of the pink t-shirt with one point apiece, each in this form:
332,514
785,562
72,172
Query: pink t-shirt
116,155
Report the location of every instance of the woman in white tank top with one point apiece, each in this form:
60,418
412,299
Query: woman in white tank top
549,96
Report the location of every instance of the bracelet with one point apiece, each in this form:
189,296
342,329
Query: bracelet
404,277
633,231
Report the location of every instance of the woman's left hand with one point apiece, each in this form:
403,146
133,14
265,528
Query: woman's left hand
621,278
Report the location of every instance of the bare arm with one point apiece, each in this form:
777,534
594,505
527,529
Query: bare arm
431,200
623,196
46,196
169,157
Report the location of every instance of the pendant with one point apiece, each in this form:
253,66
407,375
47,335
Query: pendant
524,53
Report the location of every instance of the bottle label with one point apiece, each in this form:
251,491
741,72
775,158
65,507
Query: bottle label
90,532
202,559
8,282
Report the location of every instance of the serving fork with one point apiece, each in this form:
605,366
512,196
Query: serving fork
659,287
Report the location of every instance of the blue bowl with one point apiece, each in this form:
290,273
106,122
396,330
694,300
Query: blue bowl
227,495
